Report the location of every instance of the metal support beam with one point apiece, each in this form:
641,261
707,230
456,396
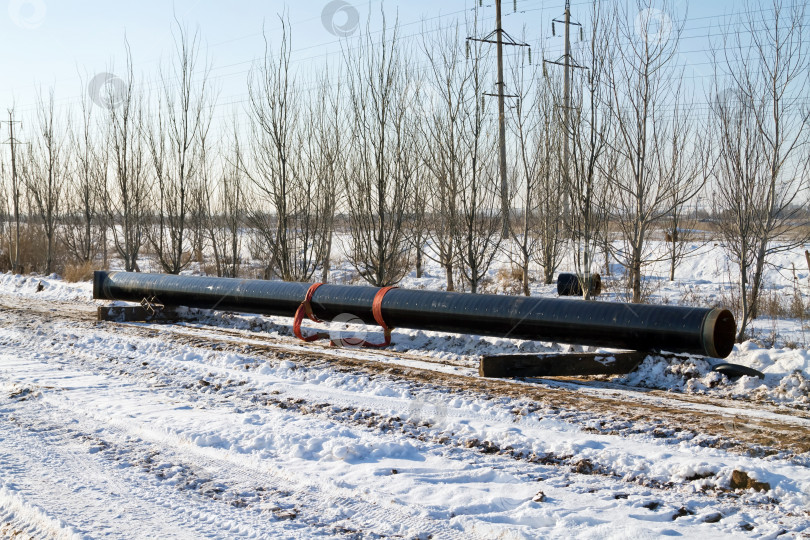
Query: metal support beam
137,314
560,365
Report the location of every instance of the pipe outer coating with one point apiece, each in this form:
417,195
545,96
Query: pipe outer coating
641,327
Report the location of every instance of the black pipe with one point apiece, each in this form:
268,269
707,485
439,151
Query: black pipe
640,327
569,285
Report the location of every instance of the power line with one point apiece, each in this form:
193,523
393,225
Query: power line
314,57
501,38
569,65
424,32
15,189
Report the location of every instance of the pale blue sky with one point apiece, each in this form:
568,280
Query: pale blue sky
48,42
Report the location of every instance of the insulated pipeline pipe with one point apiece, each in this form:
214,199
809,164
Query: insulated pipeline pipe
640,327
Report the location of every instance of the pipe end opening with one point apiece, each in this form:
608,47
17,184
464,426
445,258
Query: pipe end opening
98,284
719,333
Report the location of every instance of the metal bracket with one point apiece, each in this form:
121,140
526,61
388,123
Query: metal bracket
150,310
152,306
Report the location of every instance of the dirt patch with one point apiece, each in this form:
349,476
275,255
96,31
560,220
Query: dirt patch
741,480
9,531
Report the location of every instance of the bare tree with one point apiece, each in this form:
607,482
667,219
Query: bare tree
528,127
447,82
224,204
6,217
550,190
739,191
539,237
183,117
680,235
763,126
479,216
378,181
126,196
294,236
645,82
81,233
45,173
686,166
325,163
201,189
416,221
16,189
233,212
588,186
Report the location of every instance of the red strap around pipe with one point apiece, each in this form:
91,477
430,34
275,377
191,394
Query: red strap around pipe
376,310
306,309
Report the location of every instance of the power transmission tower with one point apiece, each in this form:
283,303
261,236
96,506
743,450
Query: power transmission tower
15,189
567,62
501,38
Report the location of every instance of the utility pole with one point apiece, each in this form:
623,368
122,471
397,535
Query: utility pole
502,124
15,189
568,65
499,33
567,104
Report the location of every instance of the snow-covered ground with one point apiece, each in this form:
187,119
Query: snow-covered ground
225,425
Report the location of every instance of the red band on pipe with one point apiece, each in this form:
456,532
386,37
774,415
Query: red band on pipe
376,307
308,302
306,308
376,310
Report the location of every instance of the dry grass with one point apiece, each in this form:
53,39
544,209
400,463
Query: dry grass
691,296
781,306
79,272
508,280
799,308
33,250
622,287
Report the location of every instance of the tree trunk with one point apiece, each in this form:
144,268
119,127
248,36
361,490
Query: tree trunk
218,262
673,259
104,246
586,287
607,254
745,316
756,284
548,273
49,260
525,269
635,275
448,270
807,256
327,258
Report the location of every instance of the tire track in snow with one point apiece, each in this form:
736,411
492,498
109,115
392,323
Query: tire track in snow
314,498
202,365
91,496
344,403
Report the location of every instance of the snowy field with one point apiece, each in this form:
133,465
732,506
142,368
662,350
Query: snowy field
226,426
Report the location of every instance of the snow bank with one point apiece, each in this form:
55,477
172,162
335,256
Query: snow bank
51,288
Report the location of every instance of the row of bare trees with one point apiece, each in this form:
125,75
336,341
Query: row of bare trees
762,126
394,146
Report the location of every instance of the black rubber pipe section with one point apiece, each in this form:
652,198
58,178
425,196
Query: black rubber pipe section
708,332
568,285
